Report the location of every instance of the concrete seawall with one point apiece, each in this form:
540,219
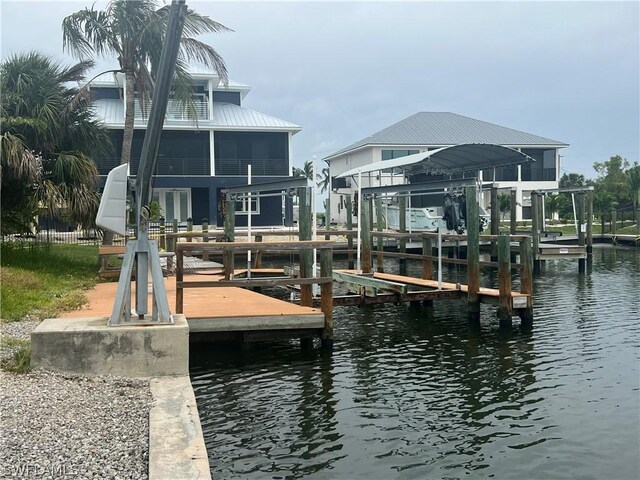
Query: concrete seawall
176,443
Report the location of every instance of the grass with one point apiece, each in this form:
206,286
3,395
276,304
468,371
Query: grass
20,359
42,282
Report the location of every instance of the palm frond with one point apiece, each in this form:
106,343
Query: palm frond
195,50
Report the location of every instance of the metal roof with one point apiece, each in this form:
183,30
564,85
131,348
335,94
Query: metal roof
225,115
231,115
445,128
448,160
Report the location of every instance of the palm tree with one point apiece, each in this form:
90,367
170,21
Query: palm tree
306,171
324,178
133,32
48,134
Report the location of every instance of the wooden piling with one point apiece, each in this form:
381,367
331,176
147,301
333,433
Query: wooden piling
229,232
189,228
473,253
349,211
257,259
427,263
326,297
402,211
589,199
205,237
580,208
526,279
365,234
504,280
535,229
162,241
304,233
514,206
174,228
179,278
380,240
495,221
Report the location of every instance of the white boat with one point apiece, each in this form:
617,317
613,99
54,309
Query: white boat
449,217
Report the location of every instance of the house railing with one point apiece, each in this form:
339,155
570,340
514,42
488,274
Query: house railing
175,111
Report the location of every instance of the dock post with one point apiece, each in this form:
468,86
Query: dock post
580,200
174,226
402,209
327,216
326,297
349,210
495,221
205,237
229,229
589,224
257,260
162,243
513,228
380,240
535,229
526,280
179,279
473,253
504,280
614,220
427,260
304,233
514,206
365,232
189,228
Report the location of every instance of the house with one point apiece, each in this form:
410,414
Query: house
427,131
203,151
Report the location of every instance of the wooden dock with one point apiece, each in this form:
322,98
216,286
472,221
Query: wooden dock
215,310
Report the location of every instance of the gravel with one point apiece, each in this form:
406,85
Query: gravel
61,426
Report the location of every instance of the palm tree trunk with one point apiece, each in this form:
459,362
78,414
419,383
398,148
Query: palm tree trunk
127,137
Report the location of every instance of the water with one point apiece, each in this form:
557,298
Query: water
413,394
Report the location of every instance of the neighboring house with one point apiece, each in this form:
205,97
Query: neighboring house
425,131
200,156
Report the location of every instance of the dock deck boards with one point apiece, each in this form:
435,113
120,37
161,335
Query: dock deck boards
215,309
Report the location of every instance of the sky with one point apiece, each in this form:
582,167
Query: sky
564,70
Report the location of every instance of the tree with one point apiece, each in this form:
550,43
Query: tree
552,204
504,204
306,171
48,135
133,32
633,187
324,178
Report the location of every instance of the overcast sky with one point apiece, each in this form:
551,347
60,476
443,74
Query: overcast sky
345,70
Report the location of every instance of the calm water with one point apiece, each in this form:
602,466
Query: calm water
409,393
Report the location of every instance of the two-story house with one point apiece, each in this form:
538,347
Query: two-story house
200,156
426,131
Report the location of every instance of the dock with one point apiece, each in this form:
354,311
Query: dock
215,310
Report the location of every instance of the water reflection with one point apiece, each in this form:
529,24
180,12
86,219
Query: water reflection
417,392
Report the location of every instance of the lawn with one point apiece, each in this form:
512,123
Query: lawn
43,281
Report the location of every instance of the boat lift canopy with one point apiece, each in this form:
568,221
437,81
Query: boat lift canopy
447,160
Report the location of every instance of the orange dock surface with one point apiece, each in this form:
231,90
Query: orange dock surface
214,309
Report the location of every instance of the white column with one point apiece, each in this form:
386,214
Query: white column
290,156
248,221
212,156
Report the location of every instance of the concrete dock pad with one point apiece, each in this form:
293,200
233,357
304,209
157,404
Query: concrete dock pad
87,346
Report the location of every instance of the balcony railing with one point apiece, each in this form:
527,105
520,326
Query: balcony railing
175,110
259,167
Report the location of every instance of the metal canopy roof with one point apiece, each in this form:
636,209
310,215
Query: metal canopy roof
448,160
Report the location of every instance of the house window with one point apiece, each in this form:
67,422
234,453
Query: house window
266,152
242,206
227,97
391,154
544,167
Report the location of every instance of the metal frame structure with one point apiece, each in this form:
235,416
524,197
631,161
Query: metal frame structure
142,253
